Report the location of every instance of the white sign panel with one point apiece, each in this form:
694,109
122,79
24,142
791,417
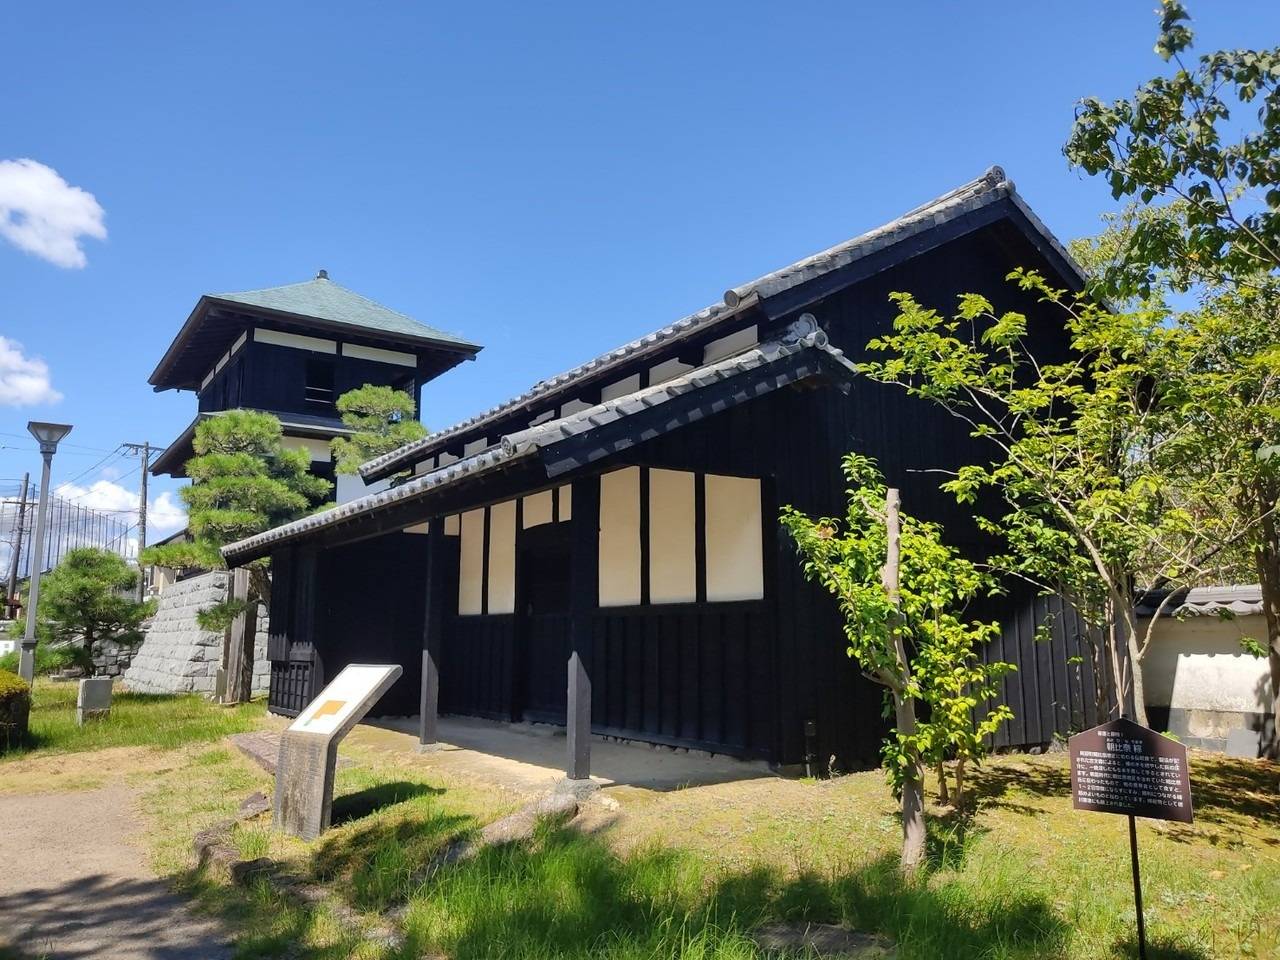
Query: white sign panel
354,689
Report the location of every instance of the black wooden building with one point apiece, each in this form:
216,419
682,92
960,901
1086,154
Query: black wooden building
604,550
292,351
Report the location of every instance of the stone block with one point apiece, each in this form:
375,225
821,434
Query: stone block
93,698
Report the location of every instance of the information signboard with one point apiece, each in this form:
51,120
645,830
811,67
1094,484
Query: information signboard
1125,768
309,748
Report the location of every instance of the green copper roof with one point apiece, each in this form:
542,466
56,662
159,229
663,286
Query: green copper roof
323,299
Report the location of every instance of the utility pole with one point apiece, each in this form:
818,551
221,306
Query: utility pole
143,450
12,593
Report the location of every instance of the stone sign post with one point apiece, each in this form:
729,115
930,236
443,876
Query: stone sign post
309,748
1123,767
93,699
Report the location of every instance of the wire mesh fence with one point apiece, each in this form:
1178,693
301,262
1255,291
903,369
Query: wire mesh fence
69,525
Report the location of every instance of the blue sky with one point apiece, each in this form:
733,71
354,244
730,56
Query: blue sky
549,180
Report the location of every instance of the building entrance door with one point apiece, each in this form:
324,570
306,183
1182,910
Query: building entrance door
543,576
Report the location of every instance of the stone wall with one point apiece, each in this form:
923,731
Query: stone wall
112,659
177,656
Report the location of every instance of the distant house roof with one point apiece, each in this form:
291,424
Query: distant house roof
990,188
314,306
577,439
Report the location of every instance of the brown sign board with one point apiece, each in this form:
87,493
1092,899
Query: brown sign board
1123,767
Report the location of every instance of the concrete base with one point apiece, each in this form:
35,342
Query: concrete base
578,789
429,747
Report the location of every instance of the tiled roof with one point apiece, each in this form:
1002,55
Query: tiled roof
323,299
803,336
1242,600
989,188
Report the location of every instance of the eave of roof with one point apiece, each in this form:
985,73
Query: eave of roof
350,314
993,186
804,336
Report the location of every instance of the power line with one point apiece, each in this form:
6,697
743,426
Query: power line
88,470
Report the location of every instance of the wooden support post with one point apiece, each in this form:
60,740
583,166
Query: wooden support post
584,583
302,639
240,638
432,634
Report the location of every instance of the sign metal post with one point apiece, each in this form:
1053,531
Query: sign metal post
1125,768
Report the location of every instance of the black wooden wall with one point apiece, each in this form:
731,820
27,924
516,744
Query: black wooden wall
268,376
370,609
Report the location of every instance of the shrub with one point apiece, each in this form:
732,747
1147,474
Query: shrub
15,710
49,659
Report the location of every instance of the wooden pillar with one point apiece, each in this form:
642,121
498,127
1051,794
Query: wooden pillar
584,598
433,632
280,628
302,639
240,640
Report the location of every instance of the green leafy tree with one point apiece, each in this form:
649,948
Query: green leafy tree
906,634
1188,138
244,482
1081,452
382,420
88,599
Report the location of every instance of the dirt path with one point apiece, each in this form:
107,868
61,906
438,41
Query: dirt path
74,884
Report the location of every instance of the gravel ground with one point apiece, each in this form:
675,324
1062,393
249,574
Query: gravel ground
74,884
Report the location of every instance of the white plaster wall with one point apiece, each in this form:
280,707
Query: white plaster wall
620,538
733,343
350,487
734,539
1198,664
502,557
317,448
673,574
537,509
471,563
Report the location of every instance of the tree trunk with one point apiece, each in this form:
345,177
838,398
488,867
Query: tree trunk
960,783
943,797
1130,628
240,642
1101,702
913,832
1267,560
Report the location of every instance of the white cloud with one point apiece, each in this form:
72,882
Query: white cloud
44,215
24,381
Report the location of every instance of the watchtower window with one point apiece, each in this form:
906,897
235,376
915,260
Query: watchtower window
320,383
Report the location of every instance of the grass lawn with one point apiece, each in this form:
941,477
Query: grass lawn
136,720
691,873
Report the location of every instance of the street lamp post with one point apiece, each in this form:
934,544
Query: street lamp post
48,435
